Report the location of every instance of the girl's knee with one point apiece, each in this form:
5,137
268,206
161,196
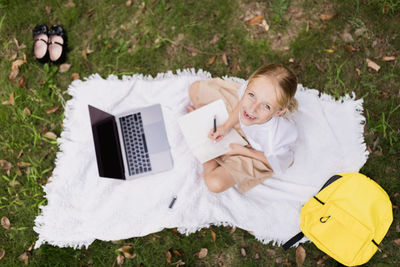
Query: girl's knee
214,184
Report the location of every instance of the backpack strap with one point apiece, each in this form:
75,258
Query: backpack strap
293,241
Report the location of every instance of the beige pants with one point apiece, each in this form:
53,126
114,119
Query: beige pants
246,172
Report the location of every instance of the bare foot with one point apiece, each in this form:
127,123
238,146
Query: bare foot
190,108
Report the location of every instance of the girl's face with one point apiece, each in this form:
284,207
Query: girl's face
259,102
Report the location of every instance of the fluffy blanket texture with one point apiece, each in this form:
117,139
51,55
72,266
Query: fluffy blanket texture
83,207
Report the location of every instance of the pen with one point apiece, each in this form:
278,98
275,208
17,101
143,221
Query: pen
215,123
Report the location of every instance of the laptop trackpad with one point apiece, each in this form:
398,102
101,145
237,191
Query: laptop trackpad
156,137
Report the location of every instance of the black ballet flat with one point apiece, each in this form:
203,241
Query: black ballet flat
57,46
41,52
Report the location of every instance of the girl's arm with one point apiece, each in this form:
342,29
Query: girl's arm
225,128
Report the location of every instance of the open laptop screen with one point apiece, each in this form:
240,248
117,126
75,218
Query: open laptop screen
107,146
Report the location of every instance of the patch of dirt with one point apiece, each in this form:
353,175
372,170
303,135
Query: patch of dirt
296,16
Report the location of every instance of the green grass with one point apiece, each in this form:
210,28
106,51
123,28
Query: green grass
156,36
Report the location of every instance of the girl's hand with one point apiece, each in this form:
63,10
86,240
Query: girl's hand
220,133
237,150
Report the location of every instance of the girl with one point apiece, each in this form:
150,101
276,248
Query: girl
256,110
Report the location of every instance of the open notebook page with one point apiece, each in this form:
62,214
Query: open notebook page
196,125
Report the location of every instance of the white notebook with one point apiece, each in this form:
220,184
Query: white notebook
196,125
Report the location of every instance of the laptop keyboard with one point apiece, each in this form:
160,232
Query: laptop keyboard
135,144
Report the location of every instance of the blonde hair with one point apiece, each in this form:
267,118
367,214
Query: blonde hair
286,80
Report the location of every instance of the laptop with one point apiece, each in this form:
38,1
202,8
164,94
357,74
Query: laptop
132,144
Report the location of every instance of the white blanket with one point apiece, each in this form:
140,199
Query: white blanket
83,207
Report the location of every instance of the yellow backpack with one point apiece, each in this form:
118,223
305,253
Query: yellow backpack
347,219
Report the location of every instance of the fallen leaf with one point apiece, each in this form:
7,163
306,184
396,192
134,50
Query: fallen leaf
279,260
22,82
349,48
128,252
120,259
214,39
397,241
23,164
243,252
70,3
52,110
5,222
256,20
300,255
2,253
84,54
128,3
372,65
50,135
18,171
14,183
177,252
329,50
168,257
211,61
347,37
19,47
214,236
48,9
203,253
64,67
265,25
327,16
90,13
256,256
233,230
5,164
358,72
10,100
291,60
75,76
388,58
27,111
13,56
24,257
15,69
178,263
323,259
225,59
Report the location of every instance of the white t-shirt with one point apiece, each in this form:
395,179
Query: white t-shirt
276,138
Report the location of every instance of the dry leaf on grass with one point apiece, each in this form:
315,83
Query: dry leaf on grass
323,259
23,164
19,47
349,48
15,69
52,110
243,252
128,252
225,59
22,82
397,241
177,252
48,9
168,256
128,3
256,20
50,135
327,16
178,263
27,111
64,67
211,61
75,76
372,65
70,3
300,255
120,259
10,100
5,222
214,39
24,257
13,56
265,25
203,253
388,58
2,253
214,236
5,164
